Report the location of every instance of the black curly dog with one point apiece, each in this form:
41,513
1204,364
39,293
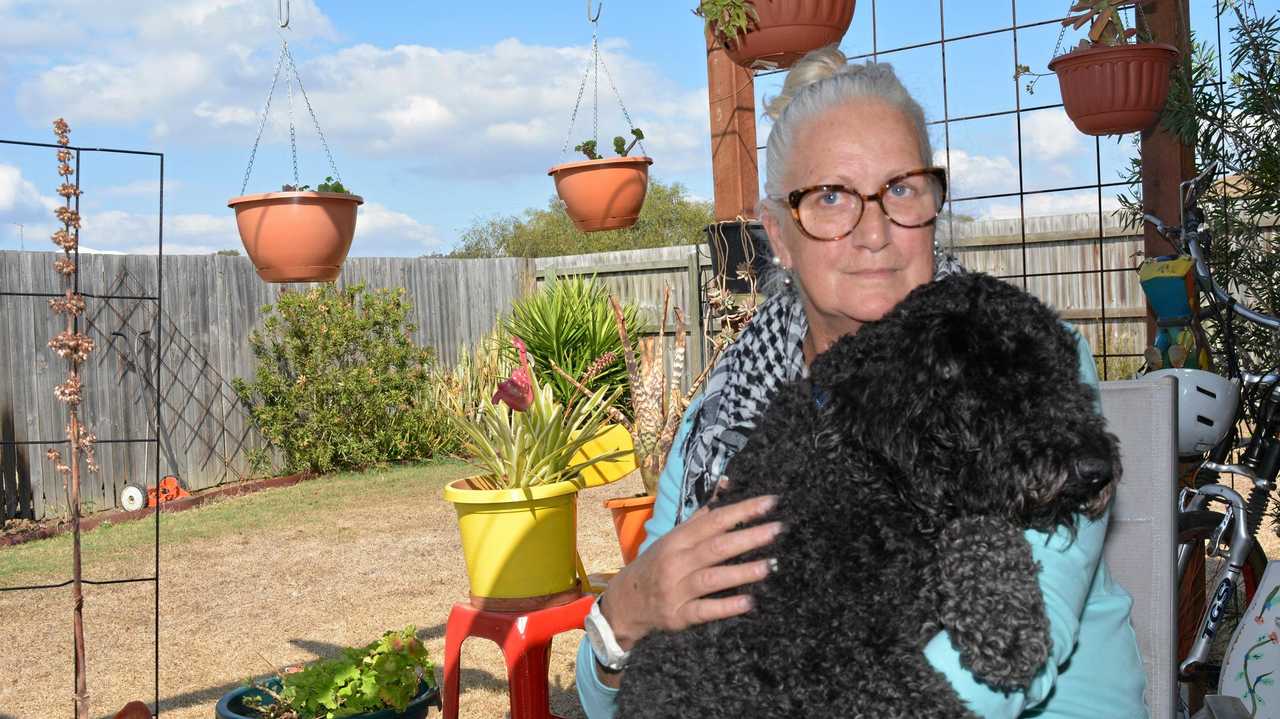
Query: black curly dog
907,468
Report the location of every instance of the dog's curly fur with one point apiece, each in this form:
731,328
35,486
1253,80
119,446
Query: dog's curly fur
948,427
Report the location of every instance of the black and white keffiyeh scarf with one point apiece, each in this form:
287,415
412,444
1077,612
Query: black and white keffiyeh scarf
768,353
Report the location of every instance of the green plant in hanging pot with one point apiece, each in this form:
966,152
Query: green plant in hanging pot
391,678
297,234
604,193
1111,84
773,34
518,514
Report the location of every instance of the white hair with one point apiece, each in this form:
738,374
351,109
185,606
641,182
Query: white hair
821,80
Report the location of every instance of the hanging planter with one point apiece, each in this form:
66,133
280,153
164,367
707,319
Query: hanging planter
602,193
296,235
773,34
1109,86
1113,90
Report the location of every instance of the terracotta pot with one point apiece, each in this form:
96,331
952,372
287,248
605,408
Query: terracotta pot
787,29
297,236
1111,90
629,516
604,194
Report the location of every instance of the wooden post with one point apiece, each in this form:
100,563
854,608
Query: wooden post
731,93
1165,160
1165,163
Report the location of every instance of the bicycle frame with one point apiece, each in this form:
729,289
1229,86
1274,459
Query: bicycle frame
1233,539
1239,544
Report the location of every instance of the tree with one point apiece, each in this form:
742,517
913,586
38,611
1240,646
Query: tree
669,218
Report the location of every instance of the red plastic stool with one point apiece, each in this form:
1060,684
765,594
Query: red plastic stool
526,643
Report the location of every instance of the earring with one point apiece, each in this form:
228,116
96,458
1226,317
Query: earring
777,261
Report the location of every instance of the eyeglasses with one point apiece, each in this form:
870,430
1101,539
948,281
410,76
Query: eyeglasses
829,212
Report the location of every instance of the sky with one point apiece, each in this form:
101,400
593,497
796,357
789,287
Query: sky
443,114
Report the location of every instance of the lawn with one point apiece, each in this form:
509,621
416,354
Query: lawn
290,574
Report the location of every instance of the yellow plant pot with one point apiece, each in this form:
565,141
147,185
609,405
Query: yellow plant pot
520,544
614,438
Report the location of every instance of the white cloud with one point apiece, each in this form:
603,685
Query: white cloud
139,188
149,60
20,200
223,116
1046,204
381,231
1049,135
976,174
487,112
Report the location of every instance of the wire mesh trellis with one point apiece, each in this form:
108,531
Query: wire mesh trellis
1094,263
157,300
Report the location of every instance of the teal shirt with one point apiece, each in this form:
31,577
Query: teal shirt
1094,670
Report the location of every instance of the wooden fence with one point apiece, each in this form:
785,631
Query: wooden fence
212,303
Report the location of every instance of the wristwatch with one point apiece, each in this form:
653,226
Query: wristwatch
604,645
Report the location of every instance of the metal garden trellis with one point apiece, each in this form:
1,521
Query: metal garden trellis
158,299
733,130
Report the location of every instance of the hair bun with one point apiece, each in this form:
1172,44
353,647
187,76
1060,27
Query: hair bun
815,66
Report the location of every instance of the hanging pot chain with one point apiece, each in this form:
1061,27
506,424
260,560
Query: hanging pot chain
626,115
596,63
266,111
573,116
293,137
294,76
314,120
595,87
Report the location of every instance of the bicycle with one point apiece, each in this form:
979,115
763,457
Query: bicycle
1254,399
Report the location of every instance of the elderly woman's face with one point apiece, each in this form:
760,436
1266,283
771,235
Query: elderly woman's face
861,276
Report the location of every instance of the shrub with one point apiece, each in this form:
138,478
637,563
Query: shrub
570,322
340,383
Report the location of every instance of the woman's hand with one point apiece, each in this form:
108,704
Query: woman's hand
666,587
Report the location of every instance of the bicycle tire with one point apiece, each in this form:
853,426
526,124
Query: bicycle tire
1196,525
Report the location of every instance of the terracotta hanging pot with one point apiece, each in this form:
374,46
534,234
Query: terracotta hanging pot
604,194
1115,89
787,29
297,236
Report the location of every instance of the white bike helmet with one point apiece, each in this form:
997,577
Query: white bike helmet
1206,407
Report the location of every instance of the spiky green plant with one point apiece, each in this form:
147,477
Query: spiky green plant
569,322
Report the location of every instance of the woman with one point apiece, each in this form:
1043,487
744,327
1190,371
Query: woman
848,158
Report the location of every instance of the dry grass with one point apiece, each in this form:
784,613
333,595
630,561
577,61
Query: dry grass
292,573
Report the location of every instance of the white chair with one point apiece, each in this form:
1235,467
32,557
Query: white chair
1141,542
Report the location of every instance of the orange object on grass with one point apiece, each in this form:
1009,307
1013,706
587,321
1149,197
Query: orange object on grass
629,516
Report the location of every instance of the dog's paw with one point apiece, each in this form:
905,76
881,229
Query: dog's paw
990,601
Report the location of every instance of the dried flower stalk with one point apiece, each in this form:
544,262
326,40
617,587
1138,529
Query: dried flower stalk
74,347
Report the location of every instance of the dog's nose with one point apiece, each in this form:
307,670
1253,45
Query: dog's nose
1094,471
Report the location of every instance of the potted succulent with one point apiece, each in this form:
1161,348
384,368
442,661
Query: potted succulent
604,193
1110,85
391,678
657,404
772,34
297,234
518,515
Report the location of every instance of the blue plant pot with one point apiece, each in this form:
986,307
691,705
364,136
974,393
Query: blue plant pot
231,705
